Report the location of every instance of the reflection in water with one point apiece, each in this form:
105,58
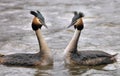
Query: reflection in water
101,32
44,71
76,70
79,70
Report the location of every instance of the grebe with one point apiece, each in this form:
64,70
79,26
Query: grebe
42,58
85,58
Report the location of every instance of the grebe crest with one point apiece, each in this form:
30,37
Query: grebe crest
77,21
38,20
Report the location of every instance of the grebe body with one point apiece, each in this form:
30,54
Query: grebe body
73,56
42,58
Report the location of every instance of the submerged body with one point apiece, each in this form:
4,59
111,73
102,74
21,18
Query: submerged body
42,58
73,56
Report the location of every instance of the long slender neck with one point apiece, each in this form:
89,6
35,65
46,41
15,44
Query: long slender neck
44,49
72,46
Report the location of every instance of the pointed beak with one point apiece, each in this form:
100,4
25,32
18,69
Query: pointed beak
72,24
69,26
43,23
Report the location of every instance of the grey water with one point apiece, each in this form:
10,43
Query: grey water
101,32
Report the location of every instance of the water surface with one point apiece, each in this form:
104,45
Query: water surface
101,32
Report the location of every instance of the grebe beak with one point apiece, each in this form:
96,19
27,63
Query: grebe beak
72,24
43,24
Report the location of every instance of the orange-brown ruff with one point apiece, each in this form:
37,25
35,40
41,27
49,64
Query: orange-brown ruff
42,58
73,56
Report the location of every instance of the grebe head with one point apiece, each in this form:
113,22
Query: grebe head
38,20
77,21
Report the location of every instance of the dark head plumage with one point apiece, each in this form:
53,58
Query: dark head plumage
39,16
77,15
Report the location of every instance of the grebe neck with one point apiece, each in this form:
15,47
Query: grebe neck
72,46
44,49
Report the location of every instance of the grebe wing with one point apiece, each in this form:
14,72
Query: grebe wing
93,54
20,59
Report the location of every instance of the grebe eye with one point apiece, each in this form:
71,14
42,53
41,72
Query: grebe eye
40,21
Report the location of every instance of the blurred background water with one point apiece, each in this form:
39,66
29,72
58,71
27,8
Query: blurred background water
101,32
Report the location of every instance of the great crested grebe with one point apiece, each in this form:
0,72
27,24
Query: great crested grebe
86,58
42,58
